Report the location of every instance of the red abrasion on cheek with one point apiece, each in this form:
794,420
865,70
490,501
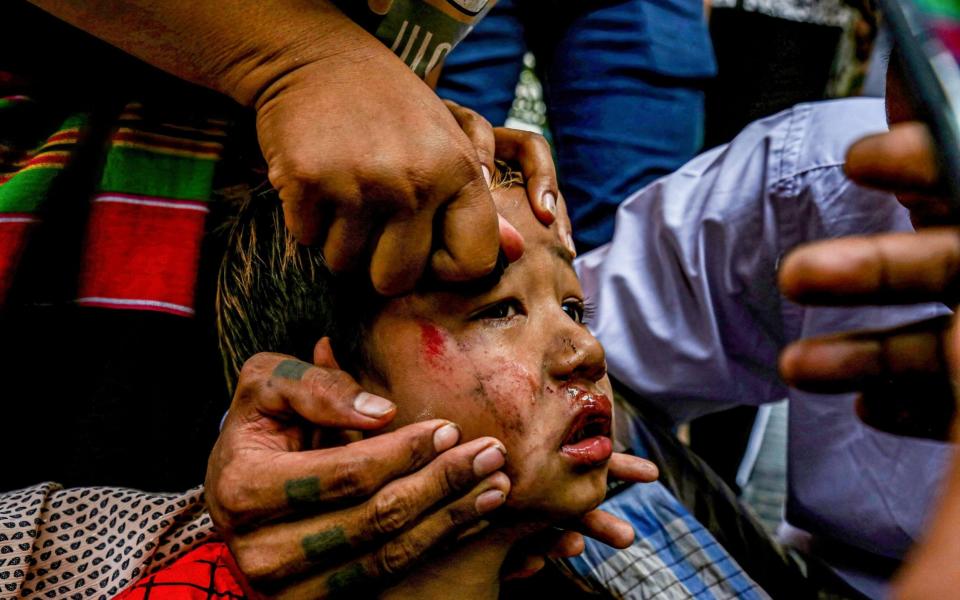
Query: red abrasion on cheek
433,342
506,389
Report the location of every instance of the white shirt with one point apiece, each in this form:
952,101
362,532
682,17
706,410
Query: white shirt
689,312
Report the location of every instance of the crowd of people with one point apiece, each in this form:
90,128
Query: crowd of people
323,330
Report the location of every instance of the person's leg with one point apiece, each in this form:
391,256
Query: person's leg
622,101
481,72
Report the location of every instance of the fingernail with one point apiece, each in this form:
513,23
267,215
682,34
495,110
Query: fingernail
489,500
486,175
570,245
549,202
445,437
488,461
372,406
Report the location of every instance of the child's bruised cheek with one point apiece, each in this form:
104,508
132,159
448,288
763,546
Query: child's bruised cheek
433,345
506,392
504,386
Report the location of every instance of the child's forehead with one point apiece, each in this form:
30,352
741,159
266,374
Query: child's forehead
512,203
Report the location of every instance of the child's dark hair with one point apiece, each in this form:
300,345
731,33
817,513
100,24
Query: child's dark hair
275,295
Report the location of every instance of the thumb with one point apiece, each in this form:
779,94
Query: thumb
471,240
323,354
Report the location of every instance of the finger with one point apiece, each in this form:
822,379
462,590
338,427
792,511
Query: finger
324,541
893,268
470,242
604,527
305,482
303,219
511,242
849,362
566,545
632,468
902,159
480,132
523,567
401,253
385,564
534,155
564,227
282,387
323,354
901,375
346,242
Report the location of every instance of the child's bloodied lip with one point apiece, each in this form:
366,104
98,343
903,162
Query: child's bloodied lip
587,441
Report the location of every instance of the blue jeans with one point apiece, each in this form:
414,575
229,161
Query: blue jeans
620,84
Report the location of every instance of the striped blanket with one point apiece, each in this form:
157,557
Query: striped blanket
140,242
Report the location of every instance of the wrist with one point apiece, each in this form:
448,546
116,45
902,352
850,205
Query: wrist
252,68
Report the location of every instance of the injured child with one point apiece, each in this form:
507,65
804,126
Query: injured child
508,357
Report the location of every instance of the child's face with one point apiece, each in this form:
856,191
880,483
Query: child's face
514,362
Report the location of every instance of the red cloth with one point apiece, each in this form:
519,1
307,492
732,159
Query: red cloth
206,573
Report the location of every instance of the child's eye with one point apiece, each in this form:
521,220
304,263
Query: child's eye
500,310
574,310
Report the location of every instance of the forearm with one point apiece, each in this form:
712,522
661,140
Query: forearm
239,48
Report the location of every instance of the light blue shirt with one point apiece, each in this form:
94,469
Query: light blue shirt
688,310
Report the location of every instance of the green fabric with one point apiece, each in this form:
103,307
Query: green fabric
26,191
148,173
945,8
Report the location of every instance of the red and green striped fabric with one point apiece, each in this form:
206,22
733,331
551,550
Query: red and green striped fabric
146,219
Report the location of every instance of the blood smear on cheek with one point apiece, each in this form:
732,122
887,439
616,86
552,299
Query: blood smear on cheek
433,341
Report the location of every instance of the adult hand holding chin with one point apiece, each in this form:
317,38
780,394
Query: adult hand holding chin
301,517
529,557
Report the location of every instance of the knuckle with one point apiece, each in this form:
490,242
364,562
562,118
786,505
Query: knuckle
354,477
330,384
537,143
462,513
254,368
296,168
256,566
449,479
230,495
394,557
474,121
465,164
420,450
391,512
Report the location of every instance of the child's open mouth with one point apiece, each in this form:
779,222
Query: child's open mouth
587,441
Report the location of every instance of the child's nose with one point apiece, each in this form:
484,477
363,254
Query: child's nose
577,355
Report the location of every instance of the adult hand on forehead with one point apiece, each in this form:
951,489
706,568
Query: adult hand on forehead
901,373
530,150
387,177
299,517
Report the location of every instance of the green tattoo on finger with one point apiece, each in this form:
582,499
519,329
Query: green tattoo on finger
291,369
302,493
321,547
350,581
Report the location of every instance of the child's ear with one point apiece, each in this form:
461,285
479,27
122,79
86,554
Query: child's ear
323,354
